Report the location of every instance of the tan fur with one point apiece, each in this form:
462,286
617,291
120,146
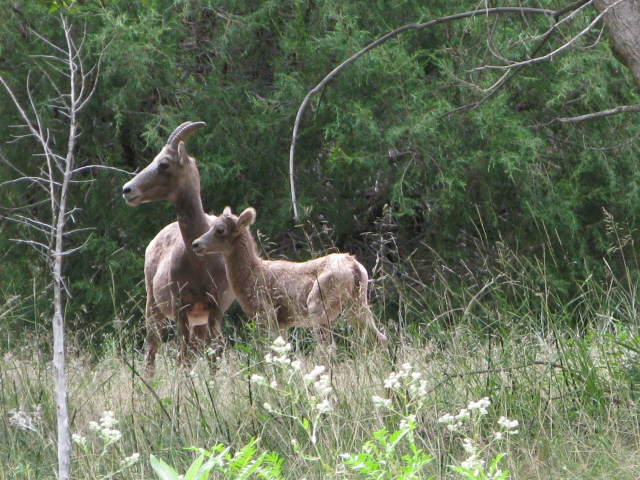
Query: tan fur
190,290
284,294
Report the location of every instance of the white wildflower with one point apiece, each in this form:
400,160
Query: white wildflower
473,463
283,359
255,378
381,402
419,390
268,407
481,405
296,365
509,425
407,422
393,381
129,461
108,419
274,384
323,385
446,418
280,346
79,439
324,406
464,413
313,374
469,446
452,427
110,435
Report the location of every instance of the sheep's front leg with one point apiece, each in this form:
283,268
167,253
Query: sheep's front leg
154,321
215,340
184,339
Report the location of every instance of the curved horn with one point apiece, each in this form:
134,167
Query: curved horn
183,132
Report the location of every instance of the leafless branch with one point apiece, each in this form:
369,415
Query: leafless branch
101,167
601,114
554,14
33,243
549,55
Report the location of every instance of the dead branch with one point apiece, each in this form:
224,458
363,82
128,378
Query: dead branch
553,14
601,114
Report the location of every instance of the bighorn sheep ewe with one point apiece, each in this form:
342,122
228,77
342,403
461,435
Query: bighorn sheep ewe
193,291
307,294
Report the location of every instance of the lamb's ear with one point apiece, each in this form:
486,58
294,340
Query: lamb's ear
246,218
183,156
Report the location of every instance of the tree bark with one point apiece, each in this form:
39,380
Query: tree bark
623,25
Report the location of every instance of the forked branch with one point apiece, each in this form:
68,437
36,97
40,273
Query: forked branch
554,15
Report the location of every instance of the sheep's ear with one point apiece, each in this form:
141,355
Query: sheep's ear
183,156
226,211
246,218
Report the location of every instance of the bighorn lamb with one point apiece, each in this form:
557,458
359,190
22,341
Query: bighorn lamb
193,291
285,294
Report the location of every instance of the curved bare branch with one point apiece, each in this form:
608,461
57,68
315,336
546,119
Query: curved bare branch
554,14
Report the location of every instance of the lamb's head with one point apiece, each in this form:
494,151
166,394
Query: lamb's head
224,232
162,178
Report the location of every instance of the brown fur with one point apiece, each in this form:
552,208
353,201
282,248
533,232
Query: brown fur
190,290
284,294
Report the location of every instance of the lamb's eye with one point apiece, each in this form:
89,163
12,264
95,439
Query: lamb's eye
219,229
164,165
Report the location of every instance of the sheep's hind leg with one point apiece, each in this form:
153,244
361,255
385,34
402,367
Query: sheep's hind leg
321,315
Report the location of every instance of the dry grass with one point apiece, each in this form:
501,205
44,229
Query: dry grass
571,427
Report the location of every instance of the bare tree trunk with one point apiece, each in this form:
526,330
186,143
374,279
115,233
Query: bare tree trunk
56,177
623,25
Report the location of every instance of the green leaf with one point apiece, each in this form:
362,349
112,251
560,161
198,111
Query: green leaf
194,472
162,469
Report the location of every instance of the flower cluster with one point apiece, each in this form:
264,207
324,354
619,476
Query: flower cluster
477,409
407,377
318,382
105,428
129,461
105,435
467,423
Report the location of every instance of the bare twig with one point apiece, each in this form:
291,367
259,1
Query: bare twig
601,114
549,55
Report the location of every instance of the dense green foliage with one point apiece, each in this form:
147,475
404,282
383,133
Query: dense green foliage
407,158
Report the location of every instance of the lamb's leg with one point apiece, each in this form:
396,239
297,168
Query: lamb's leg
364,323
322,314
154,321
362,317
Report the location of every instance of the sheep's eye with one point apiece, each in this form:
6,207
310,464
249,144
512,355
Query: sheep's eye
219,229
164,165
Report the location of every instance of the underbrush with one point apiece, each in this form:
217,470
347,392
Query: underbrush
368,414
491,375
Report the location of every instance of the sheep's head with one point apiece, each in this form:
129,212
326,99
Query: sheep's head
224,231
163,177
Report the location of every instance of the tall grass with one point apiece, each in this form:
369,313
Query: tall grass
564,363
